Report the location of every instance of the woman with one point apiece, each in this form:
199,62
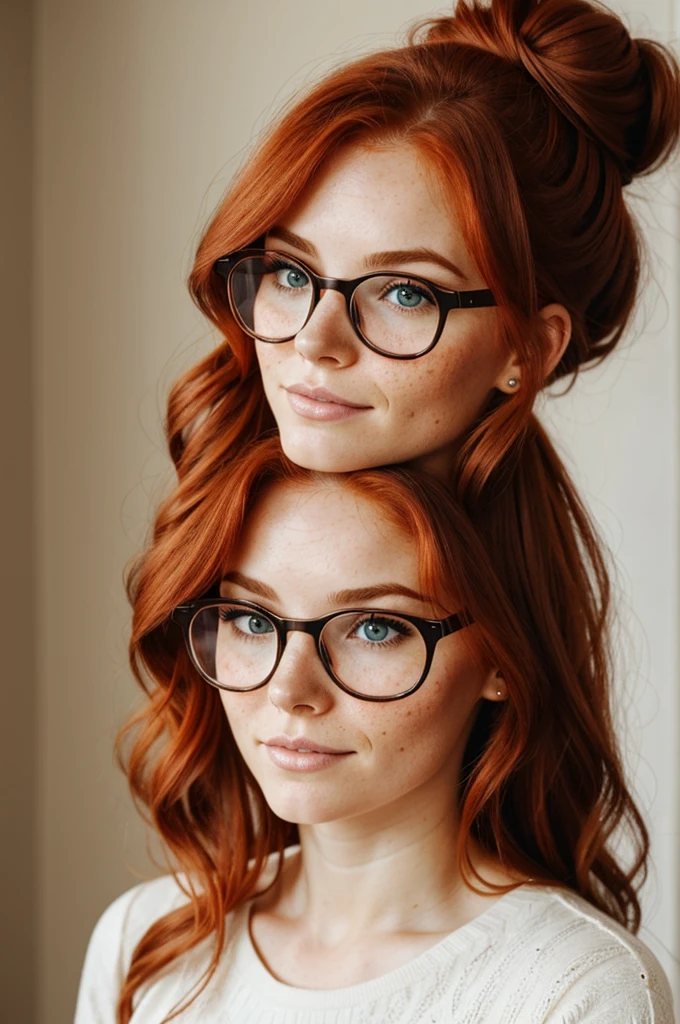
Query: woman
488,157
372,683
480,172
451,218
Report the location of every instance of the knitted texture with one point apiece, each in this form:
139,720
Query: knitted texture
535,956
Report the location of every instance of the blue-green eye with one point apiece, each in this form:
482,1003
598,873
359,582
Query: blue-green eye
375,630
256,624
405,295
291,277
246,623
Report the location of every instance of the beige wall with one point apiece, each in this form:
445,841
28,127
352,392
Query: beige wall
143,110
18,973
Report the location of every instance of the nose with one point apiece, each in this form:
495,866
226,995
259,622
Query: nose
300,684
328,336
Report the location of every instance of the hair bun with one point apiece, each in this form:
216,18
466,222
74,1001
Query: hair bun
622,93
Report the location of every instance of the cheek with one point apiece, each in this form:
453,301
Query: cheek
424,736
240,710
420,407
450,383
433,724
269,360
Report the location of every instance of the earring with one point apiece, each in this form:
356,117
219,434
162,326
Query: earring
513,382
499,693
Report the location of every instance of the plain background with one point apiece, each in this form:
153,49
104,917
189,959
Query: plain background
122,125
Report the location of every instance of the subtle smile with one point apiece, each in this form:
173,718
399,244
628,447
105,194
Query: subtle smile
300,755
321,404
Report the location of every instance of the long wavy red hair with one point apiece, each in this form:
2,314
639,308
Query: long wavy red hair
533,115
542,785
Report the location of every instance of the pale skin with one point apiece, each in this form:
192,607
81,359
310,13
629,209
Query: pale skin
367,200
376,881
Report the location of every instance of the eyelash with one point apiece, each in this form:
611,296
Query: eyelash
400,628
418,288
278,264
231,614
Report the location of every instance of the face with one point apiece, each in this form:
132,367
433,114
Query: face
303,546
367,201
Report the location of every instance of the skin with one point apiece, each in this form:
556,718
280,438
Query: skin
376,881
366,200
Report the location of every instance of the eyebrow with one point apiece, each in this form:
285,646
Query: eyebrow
376,260
338,597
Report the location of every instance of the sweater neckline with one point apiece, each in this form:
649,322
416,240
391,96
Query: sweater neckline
475,934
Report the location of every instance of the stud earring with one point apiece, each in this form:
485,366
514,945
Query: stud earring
513,382
499,693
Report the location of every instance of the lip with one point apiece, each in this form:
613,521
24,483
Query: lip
302,755
321,408
323,395
299,761
302,743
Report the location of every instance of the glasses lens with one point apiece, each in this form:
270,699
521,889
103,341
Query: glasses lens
374,655
234,645
396,314
270,296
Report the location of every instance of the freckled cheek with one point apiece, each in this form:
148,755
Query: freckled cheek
421,730
413,388
240,710
271,360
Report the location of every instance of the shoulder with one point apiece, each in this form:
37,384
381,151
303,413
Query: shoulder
113,939
587,966
125,921
120,928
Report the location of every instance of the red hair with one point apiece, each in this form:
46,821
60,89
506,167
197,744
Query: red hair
541,787
533,114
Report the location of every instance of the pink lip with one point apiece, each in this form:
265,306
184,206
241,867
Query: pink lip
302,743
322,395
301,755
296,761
320,404
311,409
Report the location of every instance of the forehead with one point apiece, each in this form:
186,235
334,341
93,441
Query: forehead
323,532
370,196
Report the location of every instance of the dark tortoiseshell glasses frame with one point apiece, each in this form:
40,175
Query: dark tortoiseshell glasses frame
446,298
431,631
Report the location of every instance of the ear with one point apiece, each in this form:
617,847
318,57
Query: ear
494,687
557,333
557,324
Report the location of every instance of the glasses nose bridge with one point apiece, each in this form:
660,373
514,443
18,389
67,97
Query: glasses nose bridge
312,627
335,284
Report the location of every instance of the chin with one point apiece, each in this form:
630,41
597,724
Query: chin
304,808
321,454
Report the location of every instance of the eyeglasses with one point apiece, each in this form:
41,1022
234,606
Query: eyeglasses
371,653
272,296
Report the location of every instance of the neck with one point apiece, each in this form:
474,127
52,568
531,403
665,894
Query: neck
396,872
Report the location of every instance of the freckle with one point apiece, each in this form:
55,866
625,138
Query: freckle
384,732
401,750
408,714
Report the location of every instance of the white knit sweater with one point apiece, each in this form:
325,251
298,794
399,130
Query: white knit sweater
535,955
